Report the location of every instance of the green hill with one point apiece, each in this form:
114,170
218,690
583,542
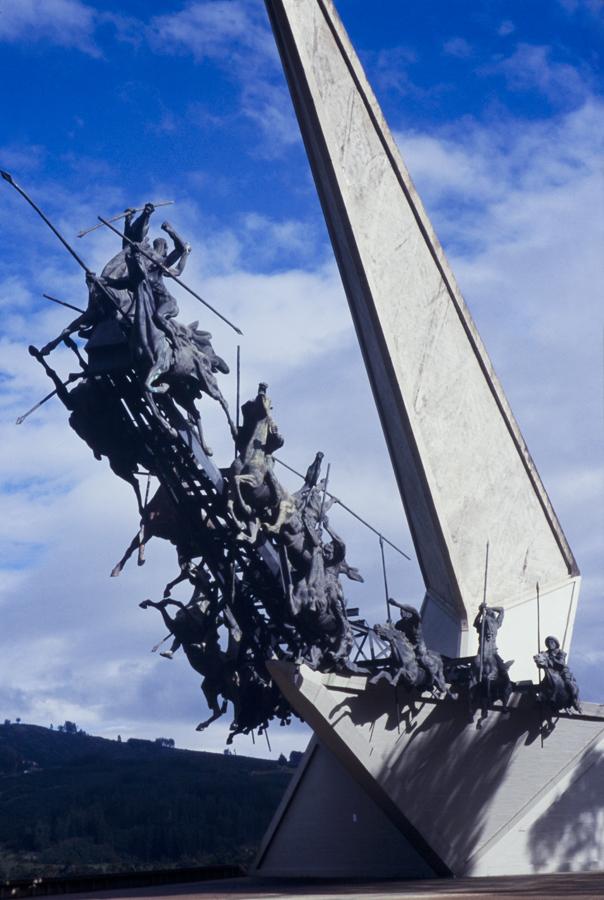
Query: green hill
75,804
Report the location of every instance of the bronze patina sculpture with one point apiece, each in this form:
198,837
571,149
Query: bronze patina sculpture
490,678
265,564
559,690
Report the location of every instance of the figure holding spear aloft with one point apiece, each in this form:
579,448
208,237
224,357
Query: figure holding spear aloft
491,672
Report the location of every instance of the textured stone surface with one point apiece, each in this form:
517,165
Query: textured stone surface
335,830
483,801
463,469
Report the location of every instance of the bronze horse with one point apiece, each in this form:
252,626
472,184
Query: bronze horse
257,499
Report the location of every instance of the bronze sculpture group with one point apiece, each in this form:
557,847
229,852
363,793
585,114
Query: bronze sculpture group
264,564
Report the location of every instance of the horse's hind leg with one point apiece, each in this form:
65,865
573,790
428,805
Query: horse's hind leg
218,709
250,537
196,422
139,498
178,580
161,606
227,413
238,480
120,565
285,512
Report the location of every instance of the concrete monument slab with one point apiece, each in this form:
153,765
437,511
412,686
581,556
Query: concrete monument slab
490,800
465,474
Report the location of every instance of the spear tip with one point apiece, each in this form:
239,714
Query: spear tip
7,176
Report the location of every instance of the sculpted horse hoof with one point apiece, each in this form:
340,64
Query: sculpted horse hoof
160,388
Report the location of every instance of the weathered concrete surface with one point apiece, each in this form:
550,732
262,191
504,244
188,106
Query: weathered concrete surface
334,829
463,469
489,800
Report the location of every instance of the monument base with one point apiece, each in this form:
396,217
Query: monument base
386,792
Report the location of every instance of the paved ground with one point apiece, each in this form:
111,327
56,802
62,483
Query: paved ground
545,886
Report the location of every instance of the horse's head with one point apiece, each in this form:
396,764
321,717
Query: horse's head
265,400
352,573
384,632
541,660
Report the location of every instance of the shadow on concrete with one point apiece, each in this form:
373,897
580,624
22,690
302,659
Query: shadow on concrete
570,833
444,772
397,706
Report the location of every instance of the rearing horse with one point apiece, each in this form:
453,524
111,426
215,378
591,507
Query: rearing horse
191,373
256,492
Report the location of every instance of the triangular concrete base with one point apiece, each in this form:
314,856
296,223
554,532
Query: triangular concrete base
328,827
463,800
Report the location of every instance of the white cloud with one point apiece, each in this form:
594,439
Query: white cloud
287,235
458,47
532,68
506,27
391,67
268,106
479,165
223,30
67,23
234,34
593,7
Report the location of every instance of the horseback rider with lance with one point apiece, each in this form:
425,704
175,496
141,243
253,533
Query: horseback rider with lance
487,623
557,662
153,264
410,624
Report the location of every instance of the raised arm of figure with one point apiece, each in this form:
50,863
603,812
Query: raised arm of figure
339,547
137,230
181,248
499,611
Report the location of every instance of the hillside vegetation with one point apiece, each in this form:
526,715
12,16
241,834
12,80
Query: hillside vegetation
75,804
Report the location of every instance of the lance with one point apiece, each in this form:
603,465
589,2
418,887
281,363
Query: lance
9,178
41,402
63,303
348,510
238,386
385,574
141,530
538,621
123,215
484,614
167,272
324,493
538,669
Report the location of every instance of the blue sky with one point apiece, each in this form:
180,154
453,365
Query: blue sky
497,108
